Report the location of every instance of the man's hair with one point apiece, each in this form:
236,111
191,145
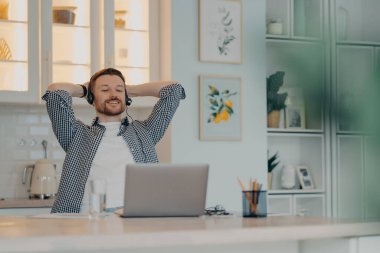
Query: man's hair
102,72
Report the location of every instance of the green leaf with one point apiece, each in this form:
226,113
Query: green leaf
213,102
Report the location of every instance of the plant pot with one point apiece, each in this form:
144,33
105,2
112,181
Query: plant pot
269,180
274,119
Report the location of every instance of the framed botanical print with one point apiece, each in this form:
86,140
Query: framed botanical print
220,109
220,31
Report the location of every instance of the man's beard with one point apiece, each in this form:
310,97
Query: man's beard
104,109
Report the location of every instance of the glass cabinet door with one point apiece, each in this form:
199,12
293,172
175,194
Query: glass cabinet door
307,18
127,46
67,41
350,177
353,86
19,51
71,35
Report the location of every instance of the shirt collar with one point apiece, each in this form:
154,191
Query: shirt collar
124,122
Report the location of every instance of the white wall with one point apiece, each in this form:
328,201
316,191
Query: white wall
227,159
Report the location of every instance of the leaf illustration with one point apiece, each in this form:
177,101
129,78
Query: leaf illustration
213,102
226,16
228,22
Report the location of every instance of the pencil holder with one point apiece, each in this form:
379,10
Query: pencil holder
254,203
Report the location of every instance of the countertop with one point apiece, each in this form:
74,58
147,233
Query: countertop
26,203
18,234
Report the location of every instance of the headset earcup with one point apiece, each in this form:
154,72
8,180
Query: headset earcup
128,101
90,97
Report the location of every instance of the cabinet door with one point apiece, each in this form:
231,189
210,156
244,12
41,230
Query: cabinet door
350,176
309,205
307,18
280,205
69,42
372,176
304,79
127,45
354,75
354,21
278,13
19,66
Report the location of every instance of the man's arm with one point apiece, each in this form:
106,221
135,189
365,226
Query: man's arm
58,99
147,89
170,93
74,90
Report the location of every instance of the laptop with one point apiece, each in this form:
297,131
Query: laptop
165,190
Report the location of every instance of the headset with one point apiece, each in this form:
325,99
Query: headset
90,94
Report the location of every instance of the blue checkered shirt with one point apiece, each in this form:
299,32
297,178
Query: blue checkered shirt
81,141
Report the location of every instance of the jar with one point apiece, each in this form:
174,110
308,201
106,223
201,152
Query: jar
120,16
4,9
275,27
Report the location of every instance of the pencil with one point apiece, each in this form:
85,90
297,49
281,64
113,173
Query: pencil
251,205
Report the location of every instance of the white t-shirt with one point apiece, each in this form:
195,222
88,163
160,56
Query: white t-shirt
109,163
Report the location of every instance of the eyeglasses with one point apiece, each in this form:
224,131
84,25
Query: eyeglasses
216,210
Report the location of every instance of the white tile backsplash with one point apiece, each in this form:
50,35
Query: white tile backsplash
39,130
22,130
28,119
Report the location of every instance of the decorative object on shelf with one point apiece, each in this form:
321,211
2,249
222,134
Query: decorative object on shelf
220,108
304,176
295,117
64,14
272,163
288,177
275,100
275,27
5,51
220,28
120,18
4,4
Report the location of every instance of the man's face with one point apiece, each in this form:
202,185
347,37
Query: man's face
109,95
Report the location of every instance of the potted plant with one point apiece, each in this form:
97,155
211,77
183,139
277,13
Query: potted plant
275,100
272,163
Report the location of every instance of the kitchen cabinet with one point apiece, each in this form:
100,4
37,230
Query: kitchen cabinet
78,37
355,69
296,204
300,51
19,51
356,21
358,175
298,19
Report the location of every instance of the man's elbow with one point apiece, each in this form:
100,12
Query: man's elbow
53,87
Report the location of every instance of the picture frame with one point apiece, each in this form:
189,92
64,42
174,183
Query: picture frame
305,178
295,117
220,31
220,108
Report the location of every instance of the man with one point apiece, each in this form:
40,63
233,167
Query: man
103,149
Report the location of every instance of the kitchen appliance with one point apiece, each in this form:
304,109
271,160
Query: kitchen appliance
42,183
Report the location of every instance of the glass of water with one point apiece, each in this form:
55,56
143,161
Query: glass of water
98,189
